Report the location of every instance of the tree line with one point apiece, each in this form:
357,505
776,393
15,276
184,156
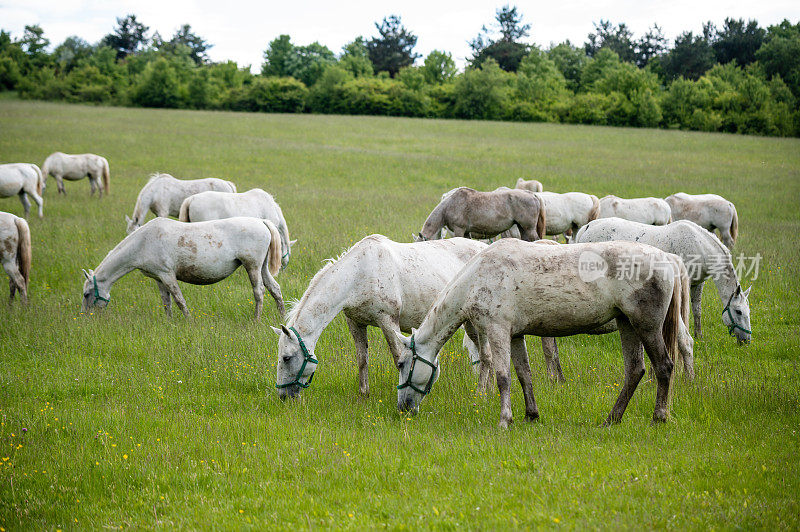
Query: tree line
738,78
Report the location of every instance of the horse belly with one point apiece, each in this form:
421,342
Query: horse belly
208,273
10,187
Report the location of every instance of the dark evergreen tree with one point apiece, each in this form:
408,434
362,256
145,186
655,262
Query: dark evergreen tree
129,36
505,50
393,48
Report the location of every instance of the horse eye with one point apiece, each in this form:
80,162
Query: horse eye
400,365
287,358
739,312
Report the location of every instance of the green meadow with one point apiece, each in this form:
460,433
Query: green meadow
128,419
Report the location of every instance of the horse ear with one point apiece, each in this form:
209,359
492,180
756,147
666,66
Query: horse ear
747,292
291,242
738,291
276,330
85,274
128,219
285,331
405,340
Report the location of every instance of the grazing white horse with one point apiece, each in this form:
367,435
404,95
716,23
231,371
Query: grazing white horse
566,213
201,253
256,203
532,185
163,195
702,252
709,211
550,348
516,288
23,180
75,167
378,283
15,253
651,211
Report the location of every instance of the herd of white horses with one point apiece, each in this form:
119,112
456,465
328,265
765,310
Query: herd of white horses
624,268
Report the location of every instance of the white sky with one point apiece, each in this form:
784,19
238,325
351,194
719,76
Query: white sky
241,30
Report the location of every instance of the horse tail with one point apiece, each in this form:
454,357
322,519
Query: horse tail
275,251
183,215
671,329
594,212
541,222
39,179
24,249
106,176
734,223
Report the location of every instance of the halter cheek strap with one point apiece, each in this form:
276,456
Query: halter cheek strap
307,357
733,326
97,292
414,358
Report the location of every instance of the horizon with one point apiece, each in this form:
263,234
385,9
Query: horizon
224,29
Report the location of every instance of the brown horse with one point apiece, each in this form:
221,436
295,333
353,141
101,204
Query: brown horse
468,212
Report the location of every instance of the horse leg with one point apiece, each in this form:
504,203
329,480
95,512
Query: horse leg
39,202
390,327
359,334
92,185
634,369
725,236
26,204
172,286
254,273
60,184
500,348
550,350
99,184
523,368
696,294
472,342
662,367
272,287
165,298
15,281
686,347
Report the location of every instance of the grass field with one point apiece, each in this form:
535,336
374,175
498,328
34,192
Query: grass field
128,419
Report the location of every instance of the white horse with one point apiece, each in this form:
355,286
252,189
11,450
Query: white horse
15,253
566,213
199,253
702,252
163,195
651,211
532,185
256,203
709,211
23,180
378,283
550,348
516,288
75,167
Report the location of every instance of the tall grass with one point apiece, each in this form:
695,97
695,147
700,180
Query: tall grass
129,419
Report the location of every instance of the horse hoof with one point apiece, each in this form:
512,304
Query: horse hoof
532,417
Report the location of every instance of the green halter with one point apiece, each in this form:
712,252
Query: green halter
733,326
97,292
414,358
307,357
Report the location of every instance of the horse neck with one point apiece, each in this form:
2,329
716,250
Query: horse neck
142,204
323,300
119,261
443,319
435,221
726,279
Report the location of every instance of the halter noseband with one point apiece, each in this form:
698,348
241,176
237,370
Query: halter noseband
307,357
97,292
414,357
733,326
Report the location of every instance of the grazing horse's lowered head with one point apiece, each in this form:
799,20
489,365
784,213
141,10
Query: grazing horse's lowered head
296,363
417,374
736,315
94,295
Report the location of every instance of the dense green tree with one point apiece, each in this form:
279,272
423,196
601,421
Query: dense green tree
128,37
310,61
69,53
158,86
738,41
690,58
185,39
780,54
393,48
618,39
278,57
355,58
439,68
483,92
570,60
506,50
652,45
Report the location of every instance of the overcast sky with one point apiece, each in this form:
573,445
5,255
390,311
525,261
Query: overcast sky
241,30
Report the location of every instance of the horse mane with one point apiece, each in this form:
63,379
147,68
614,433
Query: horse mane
295,306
